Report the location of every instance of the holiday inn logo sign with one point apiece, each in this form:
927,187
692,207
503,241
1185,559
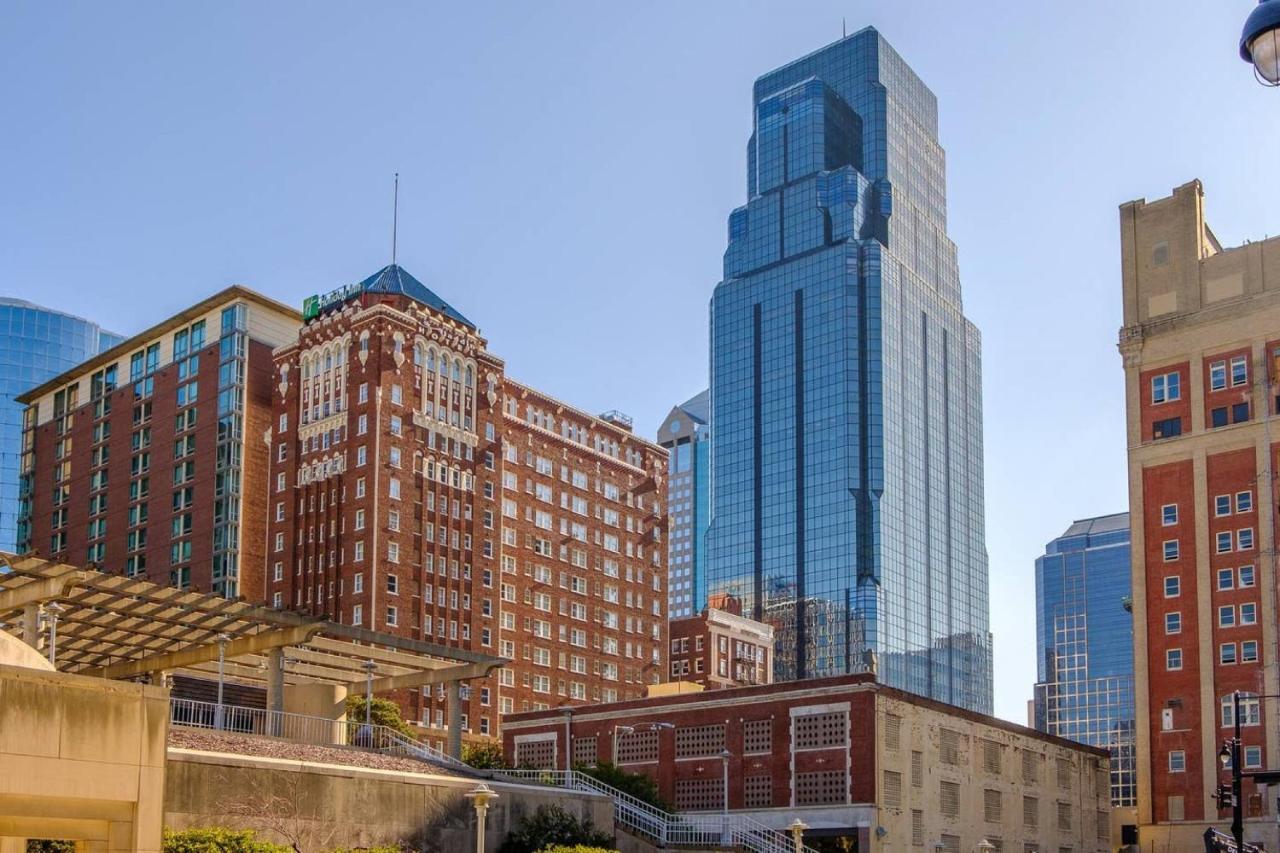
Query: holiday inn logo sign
314,306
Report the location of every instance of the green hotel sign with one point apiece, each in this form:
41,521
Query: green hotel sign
314,306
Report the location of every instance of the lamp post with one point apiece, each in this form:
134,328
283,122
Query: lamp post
1260,42
632,729
223,639
480,796
369,667
797,834
1230,754
51,613
725,755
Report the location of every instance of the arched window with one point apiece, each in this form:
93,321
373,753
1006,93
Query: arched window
444,365
328,360
457,370
417,354
466,380
431,359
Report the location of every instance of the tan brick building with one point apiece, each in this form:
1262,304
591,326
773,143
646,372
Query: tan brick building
148,459
417,489
855,760
1201,348
720,647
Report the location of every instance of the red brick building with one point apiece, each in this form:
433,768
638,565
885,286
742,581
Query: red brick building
148,459
720,647
853,759
416,489
1201,343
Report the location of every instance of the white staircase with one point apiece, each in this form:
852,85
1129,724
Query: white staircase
681,829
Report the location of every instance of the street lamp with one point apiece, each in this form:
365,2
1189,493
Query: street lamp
1260,42
632,729
1230,756
223,639
51,614
480,796
797,834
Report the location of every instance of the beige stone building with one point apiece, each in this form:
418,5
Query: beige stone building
857,761
1201,347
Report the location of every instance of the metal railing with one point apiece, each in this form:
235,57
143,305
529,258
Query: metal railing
301,728
681,829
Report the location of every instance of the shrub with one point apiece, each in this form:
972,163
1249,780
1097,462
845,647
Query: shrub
47,845
576,848
218,840
552,826
484,756
384,712
637,785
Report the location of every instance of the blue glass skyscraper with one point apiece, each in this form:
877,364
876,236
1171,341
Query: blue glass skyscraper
1084,644
846,388
686,434
36,344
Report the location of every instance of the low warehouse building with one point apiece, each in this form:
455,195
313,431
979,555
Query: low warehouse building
852,759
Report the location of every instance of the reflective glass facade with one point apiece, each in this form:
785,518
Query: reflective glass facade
36,344
846,407
687,437
1084,644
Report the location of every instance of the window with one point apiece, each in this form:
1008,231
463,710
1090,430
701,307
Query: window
1244,539
1248,613
1173,659
357,615
357,582
1226,616
1222,505
1253,756
1226,578
1217,376
1218,417
1167,428
1239,371
1249,651
1172,587
1227,653
1169,515
1250,710
1173,623
1224,542
1246,576
1177,761
391,616
1244,501
1170,550
1165,388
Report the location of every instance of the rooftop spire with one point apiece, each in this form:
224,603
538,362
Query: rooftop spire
395,217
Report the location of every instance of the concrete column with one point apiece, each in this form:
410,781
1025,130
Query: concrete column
13,845
275,688
453,690
31,625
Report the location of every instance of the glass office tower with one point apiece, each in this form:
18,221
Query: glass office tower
36,344
1084,644
686,434
846,392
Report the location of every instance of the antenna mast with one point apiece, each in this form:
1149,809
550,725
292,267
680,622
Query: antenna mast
395,218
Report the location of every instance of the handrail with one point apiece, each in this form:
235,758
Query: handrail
698,829
303,728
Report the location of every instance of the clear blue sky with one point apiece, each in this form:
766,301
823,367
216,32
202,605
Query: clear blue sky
567,169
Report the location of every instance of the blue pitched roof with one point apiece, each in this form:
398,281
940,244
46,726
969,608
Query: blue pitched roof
393,279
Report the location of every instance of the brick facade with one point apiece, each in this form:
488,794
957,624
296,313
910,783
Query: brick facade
417,489
1198,348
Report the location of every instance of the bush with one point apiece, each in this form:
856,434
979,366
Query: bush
552,826
637,785
384,713
218,840
484,756
380,848
577,848
46,845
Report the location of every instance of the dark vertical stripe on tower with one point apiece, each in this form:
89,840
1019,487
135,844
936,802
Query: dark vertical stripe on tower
864,551
757,467
802,655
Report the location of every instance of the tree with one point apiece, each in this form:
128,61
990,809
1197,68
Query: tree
276,804
218,840
384,712
637,785
484,756
553,826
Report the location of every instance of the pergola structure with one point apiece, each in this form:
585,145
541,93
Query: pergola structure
120,628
